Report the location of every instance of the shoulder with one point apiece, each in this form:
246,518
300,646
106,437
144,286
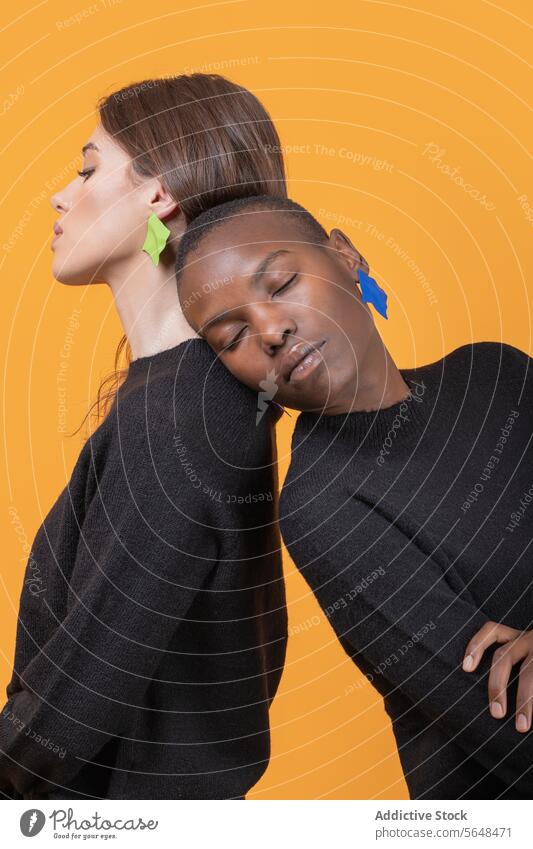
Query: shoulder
494,366
490,352
197,395
195,425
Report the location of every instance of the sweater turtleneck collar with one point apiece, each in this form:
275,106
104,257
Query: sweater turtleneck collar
371,428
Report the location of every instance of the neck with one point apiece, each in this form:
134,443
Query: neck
147,303
378,384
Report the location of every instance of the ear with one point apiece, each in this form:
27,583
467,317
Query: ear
161,202
347,251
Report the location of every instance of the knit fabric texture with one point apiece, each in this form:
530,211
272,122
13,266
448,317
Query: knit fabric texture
413,527
152,624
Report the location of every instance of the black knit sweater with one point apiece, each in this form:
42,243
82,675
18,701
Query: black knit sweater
413,526
152,628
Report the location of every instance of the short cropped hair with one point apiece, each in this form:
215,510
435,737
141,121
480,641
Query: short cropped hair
308,227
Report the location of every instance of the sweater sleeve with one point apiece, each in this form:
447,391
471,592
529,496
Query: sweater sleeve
403,613
147,547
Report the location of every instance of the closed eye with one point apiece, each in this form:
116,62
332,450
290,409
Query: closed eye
285,285
86,173
235,341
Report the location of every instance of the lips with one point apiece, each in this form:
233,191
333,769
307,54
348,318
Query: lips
296,354
57,229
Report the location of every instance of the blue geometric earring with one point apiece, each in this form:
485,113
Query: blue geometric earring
371,293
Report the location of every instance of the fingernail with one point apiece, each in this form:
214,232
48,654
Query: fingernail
521,722
468,663
496,710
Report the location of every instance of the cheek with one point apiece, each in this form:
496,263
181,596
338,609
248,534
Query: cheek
350,316
103,204
349,325
106,220
92,198
328,306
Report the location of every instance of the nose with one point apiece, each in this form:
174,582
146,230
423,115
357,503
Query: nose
59,202
273,330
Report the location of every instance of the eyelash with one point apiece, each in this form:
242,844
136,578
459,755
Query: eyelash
86,173
284,285
236,340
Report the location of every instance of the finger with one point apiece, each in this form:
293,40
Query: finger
489,633
524,695
478,643
500,671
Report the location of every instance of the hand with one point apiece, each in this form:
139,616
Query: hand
516,646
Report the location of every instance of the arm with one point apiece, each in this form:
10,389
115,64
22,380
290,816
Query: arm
140,562
377,618
149,543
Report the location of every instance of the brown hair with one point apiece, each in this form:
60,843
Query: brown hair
208,139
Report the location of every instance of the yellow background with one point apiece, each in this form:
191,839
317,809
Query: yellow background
349,85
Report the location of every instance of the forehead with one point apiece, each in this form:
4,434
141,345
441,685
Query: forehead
109,151
98,137
236,246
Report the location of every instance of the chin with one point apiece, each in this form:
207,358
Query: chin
71,277
308,401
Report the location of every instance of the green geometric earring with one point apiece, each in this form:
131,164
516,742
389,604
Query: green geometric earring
157,234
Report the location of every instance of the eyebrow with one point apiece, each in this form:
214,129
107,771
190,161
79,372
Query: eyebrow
89,146
256,279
